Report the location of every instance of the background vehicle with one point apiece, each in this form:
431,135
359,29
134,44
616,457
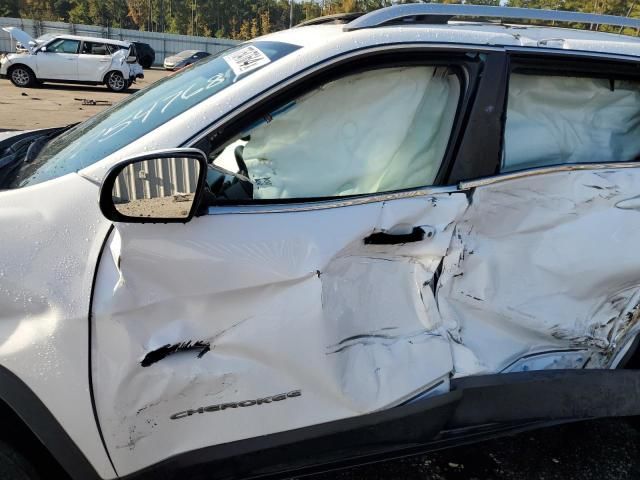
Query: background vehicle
329,245
146,54
71,59
183,59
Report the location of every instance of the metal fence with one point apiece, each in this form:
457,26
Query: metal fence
165,44
164,177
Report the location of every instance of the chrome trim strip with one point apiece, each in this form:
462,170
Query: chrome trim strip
398,12
544,171
549,52
326,204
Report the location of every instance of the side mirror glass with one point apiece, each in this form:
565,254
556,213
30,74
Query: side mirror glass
161,187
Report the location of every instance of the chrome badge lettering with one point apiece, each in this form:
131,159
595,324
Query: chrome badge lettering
243,404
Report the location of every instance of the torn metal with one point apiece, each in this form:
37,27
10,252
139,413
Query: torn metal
507,277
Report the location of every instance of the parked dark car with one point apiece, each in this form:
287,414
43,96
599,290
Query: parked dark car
146,54
183,59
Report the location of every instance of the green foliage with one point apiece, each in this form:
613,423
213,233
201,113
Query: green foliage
245,19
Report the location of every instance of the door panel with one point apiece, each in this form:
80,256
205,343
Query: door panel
235,311
58,66
542,272
92,68
94,62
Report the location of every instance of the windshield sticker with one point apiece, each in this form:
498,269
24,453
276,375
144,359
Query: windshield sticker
246,59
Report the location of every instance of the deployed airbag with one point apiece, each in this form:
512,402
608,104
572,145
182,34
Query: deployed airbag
554,120
371,132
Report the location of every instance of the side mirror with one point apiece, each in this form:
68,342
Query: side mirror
159,187
43,49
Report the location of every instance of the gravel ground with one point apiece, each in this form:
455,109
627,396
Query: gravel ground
594,450
57,104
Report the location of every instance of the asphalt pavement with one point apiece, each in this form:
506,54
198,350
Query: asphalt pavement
593,450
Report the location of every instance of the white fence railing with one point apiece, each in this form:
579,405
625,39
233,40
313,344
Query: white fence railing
165,44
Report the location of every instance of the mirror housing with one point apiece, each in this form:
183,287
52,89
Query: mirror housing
165,186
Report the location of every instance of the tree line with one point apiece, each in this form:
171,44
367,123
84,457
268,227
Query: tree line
245,19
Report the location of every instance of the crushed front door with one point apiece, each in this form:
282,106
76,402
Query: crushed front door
238,325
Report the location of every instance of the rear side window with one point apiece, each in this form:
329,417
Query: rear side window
63,46
557,120
92,48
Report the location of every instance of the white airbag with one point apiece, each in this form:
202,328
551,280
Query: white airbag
375,131
559,120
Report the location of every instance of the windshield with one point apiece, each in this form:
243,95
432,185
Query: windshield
144,111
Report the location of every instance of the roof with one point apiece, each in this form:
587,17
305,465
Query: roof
93,39
442,23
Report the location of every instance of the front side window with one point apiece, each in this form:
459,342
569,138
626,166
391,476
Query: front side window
375,131
63,45
556,120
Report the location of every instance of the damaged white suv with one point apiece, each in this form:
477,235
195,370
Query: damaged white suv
361,238
71,59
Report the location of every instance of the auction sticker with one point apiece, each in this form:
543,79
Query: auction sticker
246,59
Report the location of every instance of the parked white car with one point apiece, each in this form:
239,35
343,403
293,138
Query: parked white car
71,59
329,245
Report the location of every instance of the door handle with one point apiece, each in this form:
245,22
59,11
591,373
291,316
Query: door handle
383,238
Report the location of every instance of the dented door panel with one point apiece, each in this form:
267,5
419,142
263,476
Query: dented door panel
542,272
240,325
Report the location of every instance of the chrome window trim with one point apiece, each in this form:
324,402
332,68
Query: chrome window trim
329,204
571,53
481,182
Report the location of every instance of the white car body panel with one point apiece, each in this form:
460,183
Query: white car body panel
93,67
262,264
58,66
66,66
287,302
24,38
44,299
516,275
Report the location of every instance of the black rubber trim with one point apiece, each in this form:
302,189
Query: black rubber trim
90,330
21,399
477,408
384,238
546,395
480,152
311,448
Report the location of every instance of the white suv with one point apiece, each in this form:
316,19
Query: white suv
71,59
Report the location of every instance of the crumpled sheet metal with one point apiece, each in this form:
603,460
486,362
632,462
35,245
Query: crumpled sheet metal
51,239
287,302
544,263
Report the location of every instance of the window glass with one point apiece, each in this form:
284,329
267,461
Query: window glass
92,48
376,131
139,114
63,46
555,120
114,48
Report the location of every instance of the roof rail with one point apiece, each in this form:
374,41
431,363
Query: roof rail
337,19
441,13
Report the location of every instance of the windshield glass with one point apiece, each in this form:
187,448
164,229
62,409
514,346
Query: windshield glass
144,111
